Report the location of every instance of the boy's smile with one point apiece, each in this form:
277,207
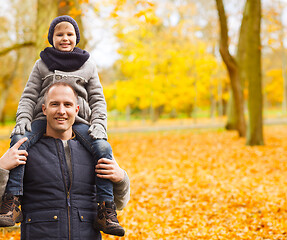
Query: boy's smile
64,38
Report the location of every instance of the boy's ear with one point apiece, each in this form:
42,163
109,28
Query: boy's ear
44,109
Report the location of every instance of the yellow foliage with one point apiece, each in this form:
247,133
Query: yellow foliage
74,12
114,15
163,68
274,86
62,4
162,65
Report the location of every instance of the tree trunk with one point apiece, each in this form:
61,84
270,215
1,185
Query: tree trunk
65,10
219,104
253,66
241,49
212,107
46,12
128,113
232,69
232,117
8,83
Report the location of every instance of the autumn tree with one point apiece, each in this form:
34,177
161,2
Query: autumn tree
249,66
175,70
232,114
13,54
253,73
233,71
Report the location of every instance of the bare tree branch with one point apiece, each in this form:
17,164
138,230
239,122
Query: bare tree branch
15,47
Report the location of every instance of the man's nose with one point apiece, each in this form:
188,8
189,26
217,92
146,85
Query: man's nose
61,109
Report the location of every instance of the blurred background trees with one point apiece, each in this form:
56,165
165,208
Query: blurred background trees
156,59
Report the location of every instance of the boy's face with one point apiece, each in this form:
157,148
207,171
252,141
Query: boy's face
64,38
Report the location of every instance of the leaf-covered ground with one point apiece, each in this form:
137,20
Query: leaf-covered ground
203,185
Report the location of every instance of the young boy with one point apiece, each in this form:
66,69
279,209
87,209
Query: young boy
64,62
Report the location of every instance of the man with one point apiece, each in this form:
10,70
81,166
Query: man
58,200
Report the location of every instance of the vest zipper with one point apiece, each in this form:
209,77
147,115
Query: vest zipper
69,213
66,188
68,199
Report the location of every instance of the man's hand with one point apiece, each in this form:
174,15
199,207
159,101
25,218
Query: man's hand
109,169
14,157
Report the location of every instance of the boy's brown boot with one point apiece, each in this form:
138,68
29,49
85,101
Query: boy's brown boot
10,212
106,219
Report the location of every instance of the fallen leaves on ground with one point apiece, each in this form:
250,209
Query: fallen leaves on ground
203,185
10,233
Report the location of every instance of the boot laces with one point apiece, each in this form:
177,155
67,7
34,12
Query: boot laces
7,204
111,214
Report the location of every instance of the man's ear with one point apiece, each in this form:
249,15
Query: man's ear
77,109
44,109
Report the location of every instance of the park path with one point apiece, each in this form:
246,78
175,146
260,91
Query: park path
198,125
183,126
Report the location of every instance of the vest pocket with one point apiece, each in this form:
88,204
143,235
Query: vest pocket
87,230
42,225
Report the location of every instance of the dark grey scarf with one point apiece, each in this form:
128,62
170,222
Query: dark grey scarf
64,61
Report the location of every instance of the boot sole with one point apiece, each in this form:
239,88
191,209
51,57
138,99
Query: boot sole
119,233
115,232
10,222
7,223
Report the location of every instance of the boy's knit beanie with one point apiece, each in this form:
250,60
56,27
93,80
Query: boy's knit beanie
64,18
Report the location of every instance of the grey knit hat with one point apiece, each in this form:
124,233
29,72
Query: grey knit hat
64,18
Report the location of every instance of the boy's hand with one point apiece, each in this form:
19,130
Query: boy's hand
97,131
21,126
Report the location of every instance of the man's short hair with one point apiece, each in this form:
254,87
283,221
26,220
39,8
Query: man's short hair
56,84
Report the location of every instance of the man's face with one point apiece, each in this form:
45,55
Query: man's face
64,38
60,109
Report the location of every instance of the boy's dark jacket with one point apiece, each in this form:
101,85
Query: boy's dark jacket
53,206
